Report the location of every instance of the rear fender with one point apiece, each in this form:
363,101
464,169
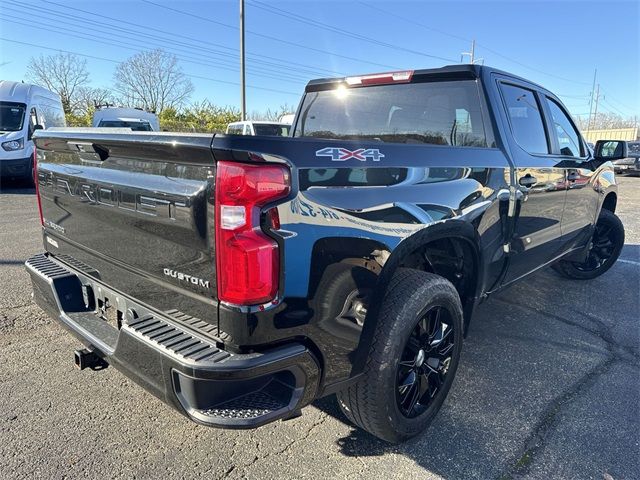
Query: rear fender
454,228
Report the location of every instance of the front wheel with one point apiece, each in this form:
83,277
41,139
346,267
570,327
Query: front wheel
604,249
413,358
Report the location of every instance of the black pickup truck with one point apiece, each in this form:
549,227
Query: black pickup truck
240,278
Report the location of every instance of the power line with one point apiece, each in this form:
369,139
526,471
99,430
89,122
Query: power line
495,52
604,99
128,46
198,46
618,102
118,61
325,26
392,14
200,40
269,37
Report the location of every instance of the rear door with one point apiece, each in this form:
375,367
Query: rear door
571,153
134,211
540,180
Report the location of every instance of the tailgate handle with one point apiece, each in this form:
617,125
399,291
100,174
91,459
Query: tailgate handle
95,151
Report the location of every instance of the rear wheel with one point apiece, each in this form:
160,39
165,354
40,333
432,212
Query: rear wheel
413,358
604,249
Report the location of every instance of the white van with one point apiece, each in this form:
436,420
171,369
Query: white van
23,109
249,127
134,118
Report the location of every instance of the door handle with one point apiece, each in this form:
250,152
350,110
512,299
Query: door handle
528,181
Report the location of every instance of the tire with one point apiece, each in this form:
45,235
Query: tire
377,403
604,250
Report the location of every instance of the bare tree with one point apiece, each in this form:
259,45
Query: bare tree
88,97
63,73
152,80
604,121
272,115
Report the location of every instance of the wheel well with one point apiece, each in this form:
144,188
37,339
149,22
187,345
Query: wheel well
452,258
342,249
610,202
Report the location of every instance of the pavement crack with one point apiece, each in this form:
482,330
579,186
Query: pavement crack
15,307
536,440
308,433
318,423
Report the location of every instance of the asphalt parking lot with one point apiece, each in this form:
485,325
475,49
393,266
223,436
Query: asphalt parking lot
549,387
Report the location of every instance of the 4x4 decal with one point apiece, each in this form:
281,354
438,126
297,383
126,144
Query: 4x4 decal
341,154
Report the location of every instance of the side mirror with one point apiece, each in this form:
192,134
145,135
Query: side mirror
608,150
37,126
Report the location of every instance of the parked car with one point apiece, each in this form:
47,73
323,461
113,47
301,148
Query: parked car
24,108
136,119
239,278
250,127
631,163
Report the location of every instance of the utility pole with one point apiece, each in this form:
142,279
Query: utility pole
470,54
243,101
595,110
595,72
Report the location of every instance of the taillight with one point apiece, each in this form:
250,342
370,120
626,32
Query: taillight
247,260
35,182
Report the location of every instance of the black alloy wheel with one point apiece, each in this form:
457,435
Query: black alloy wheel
604,249
412,359
601,249
425,361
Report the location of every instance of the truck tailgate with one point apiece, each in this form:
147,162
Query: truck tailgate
133,210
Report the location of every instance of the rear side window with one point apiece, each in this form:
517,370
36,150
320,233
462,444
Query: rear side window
440,113
271,129
135,126
568,137
525,118
235,129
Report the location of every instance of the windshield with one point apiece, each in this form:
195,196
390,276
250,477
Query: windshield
440,113
135,126
273,129
11,116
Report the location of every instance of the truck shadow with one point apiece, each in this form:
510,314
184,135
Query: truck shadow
527,347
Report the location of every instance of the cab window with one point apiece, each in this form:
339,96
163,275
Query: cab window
525,118
568,137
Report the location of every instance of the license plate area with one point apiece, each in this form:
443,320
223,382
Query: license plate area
109,312
110,308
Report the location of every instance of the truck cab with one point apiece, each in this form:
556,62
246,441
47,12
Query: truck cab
251,127
136,119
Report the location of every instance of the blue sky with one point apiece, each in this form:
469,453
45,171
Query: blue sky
555,43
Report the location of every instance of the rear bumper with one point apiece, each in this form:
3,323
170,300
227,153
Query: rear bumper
186,369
